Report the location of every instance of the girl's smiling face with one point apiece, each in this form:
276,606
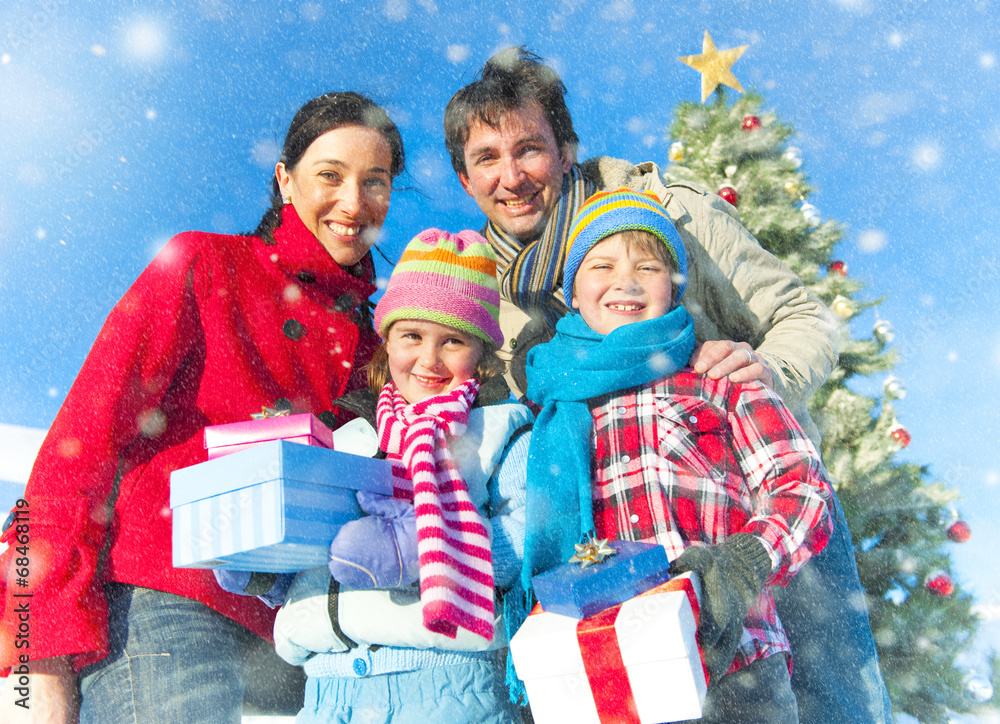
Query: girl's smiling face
428,358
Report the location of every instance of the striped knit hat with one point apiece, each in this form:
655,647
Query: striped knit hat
446,278
609,212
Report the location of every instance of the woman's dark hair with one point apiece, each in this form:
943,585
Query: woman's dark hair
329,111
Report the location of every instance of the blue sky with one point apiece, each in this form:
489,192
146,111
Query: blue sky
125,123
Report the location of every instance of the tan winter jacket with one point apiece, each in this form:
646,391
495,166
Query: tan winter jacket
735,289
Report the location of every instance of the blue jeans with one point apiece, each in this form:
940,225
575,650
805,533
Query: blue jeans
172,660
835,672
760,693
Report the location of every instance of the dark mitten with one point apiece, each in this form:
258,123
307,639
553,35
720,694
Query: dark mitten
732,575
268,587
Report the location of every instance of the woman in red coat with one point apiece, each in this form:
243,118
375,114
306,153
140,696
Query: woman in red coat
216,328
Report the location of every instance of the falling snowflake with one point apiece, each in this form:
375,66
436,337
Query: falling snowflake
871,241
145,41
396,10
927,156
265,153
457,53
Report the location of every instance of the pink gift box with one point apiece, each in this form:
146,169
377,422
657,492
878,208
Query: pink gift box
306,429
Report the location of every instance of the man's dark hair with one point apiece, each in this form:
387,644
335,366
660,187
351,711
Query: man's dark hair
510,79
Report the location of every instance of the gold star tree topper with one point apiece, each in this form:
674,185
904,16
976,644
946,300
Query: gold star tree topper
714,66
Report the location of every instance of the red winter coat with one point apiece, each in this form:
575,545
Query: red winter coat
215,328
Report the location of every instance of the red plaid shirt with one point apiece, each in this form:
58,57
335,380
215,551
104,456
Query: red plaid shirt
688,460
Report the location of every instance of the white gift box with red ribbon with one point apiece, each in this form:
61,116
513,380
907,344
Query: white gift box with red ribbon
635,663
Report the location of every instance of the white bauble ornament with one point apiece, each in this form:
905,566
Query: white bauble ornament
894,388
884,331
978,688
793,155
811,214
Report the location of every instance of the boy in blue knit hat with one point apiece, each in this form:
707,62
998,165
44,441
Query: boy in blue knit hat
632,445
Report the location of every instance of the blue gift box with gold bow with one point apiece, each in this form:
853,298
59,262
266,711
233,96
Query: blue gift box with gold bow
273,507
601,575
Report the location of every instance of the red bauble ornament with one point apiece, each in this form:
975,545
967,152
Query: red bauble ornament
900,434
940,584
837,267
729,194
959,531
751,123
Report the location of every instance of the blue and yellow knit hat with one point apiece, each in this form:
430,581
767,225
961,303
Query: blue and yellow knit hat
609,212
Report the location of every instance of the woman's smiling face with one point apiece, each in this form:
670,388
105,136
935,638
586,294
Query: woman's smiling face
428,358
340,189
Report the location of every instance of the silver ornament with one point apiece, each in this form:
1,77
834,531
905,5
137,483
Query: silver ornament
884,332
811,214
793,155
978,688
894,388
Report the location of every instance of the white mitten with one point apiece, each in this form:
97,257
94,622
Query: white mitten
304,625
395,618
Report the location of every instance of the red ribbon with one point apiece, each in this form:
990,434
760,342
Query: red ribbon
602,658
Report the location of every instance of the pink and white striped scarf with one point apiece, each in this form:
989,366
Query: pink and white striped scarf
456,565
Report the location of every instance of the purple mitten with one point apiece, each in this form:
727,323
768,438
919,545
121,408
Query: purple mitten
233,581
379,550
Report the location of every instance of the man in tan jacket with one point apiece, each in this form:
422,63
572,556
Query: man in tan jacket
511,141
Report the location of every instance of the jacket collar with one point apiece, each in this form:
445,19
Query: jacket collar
300,255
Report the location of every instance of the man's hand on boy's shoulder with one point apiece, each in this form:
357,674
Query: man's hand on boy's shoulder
718,358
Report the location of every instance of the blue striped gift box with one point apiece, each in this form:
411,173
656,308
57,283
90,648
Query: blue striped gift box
274,507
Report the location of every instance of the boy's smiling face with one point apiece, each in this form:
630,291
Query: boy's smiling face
619,283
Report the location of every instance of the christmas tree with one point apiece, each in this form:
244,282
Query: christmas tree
901,521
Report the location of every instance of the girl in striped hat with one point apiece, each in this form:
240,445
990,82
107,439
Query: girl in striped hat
407,629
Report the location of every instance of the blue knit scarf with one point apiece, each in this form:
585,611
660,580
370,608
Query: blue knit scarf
577,365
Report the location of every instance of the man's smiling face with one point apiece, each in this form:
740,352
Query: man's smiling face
515,171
